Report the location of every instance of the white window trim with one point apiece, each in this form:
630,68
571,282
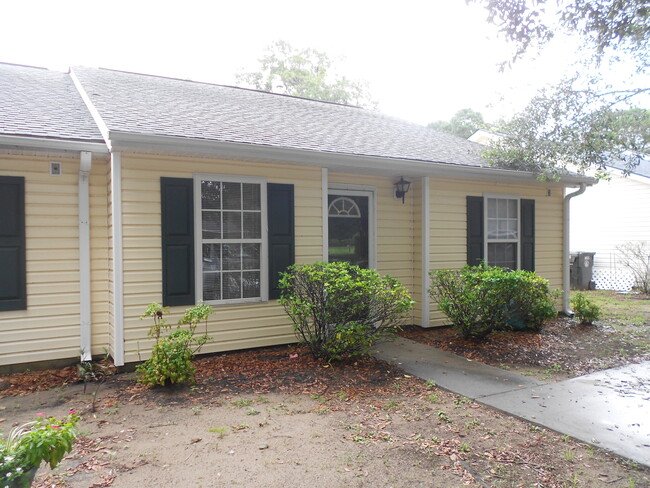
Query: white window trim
358,191
198,238
486,240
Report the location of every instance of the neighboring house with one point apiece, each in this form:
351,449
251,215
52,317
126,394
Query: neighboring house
484,137
157,189
609,215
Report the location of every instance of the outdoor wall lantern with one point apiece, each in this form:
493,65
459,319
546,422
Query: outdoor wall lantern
401,188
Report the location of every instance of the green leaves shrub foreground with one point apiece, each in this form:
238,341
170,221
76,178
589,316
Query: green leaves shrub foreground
585,310
480,299
339,310
171,356
45,439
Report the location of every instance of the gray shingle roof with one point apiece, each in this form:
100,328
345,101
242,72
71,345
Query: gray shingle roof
37,102
150,105
643,169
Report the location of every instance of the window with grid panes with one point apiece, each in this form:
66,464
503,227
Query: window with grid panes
232,239
502,231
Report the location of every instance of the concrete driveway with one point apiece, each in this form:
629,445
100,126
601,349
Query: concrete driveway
609,409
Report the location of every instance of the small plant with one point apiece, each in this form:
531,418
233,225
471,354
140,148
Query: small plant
340,310
568,455
171,356
464,447
430,384
94,372
220,431
243,402
443,416
586,310
28,445
392,405
252,411
433,398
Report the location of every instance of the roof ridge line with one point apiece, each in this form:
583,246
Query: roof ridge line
243,88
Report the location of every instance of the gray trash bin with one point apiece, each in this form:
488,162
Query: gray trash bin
581,271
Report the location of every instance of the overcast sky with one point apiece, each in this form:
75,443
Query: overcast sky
423,60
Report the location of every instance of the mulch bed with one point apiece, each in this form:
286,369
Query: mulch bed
282,369
561,344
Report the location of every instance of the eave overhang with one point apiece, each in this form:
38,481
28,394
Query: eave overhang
334,162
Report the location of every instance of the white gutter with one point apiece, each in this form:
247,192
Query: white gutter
85,165
349,163
566,285
42,143
118,266
426,241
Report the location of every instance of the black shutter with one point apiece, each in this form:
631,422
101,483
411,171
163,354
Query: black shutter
13,289
281,233
474,230
177,210
528,235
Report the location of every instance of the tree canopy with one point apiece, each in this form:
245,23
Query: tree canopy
304,73
463,124
622,26
581,121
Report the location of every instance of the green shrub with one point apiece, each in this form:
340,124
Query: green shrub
171,356
585,310
480,299
339,310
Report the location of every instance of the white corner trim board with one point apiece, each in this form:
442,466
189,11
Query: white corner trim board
85,326
118,275
425,244
324,200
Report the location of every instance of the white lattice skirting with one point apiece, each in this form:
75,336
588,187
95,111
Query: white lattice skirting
619,280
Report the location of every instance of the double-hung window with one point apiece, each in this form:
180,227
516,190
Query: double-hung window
230,238
502,231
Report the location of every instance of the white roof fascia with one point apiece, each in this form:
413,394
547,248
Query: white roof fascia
43,143
337,162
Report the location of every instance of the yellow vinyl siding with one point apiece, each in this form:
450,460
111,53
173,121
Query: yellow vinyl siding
49,328
448,221
99,249
232,326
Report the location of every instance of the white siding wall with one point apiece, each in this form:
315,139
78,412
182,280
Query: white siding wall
608,215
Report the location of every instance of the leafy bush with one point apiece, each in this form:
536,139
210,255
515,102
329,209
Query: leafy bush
480,299
171,356
28,445
586,310
339,310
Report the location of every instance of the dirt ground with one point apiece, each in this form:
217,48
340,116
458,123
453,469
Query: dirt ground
265,418
563,348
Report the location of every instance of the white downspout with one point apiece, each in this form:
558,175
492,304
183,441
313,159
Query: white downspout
85,164
118,265
566,285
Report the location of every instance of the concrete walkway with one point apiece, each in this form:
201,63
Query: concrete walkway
609,409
